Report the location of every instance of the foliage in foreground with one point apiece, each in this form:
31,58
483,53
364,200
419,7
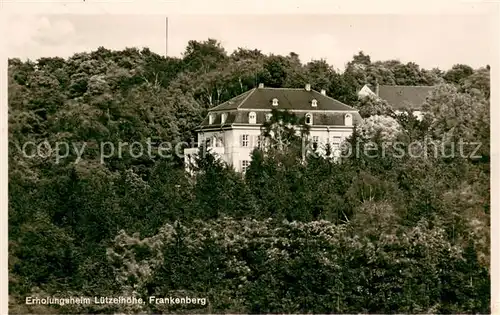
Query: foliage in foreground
294,267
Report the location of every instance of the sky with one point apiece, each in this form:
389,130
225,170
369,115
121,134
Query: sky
429,40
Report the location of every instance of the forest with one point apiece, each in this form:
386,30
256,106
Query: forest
371,234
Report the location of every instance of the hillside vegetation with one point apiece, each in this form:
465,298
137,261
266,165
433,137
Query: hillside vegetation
380,234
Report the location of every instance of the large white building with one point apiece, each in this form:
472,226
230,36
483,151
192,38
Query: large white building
233,129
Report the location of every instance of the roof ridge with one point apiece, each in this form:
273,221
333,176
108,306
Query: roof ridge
229,100
276,88
244,100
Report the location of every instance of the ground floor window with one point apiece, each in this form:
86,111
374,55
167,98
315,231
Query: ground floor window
315,142
244,165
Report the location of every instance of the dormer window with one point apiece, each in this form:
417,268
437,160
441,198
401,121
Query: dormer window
275,102
348,120
314,103
269,116
309,119
211,119
223,118
252,118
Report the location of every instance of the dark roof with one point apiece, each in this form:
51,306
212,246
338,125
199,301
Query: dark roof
290,99
241,117
260,99
400,96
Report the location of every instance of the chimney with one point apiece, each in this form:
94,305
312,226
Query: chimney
261,85
323,92
308,87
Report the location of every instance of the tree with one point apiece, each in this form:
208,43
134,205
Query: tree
320,74
361,59
246,54
219,190
203,56
479,80
385,127
371,106
457,115
276,71
280,266
458,73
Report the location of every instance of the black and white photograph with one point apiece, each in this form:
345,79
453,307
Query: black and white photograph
249,163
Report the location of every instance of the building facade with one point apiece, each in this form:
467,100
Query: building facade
232,130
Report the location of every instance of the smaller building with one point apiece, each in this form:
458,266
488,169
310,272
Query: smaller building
400,97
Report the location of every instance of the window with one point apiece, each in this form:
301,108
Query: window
252,118
314,103
259,141
244,165
315,141
309,119
335,148
211,119
275,102
269,116
244,140
337,140
253,141
348,120
219,141
223,118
